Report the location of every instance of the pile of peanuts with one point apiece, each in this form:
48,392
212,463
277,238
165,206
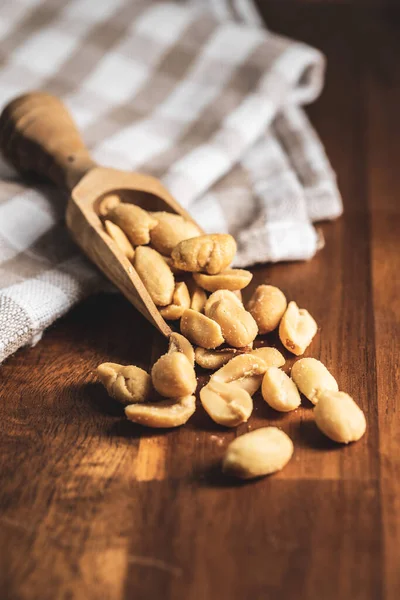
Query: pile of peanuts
188,277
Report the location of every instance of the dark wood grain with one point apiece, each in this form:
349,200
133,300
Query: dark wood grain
93,507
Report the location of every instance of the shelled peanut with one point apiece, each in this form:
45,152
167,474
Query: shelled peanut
188,276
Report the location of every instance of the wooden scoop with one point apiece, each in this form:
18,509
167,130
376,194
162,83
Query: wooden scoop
38,136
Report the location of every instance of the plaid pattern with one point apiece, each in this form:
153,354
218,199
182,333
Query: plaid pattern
196,93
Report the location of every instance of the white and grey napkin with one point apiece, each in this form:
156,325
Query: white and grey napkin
199,94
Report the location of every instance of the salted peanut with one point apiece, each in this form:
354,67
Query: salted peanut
171,312
238,294
230,279
267,305
107,203
181,295
120,239
260,452
134,221
125,384
297,329
178,343
311,377
338,417
168,260
201,330
246,370
271,356
226,403
167,413
210,253
170,230
279,391
221,295
180,301
173,375
215,359
237,325
155,274
198,298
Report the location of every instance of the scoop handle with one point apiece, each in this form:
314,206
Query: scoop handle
38,136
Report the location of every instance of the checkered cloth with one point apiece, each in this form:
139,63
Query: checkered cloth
196,93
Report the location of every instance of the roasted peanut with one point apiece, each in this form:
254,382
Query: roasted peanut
173,375
134,221
120,239
178,343
215,359
338,417
260,452
267,305
181,295
279,391
167,413
107,203
230,279
168,260
297,329
312,377
246,370
170,230
209,253
155,274
271,356
180,301
201,330
238,295
237,325
125,384
227,403
221,295
198,297
172,312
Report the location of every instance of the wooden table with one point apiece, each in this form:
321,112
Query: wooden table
93,507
